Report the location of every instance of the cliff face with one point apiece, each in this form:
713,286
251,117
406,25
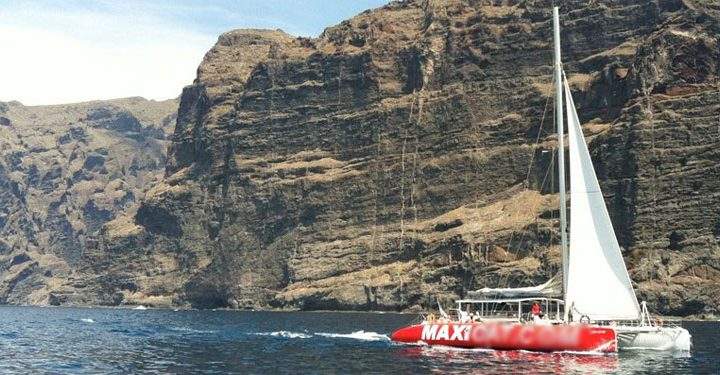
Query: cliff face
391,160
66,170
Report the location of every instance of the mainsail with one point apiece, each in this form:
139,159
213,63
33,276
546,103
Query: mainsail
598,284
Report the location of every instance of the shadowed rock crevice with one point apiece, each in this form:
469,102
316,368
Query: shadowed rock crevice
158,220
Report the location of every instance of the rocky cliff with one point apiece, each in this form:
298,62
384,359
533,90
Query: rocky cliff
65,171
402,156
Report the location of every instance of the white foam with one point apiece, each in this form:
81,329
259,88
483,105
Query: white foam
285,334
141,307
87,320
683,341
357,335
189,330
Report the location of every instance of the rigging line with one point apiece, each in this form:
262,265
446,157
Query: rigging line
530,165
527,180
537,138
548,173
523,235
555,181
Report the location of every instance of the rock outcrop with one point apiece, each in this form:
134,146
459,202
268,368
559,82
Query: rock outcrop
393,160
65,171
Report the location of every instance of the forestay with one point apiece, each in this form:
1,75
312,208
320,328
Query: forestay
598,284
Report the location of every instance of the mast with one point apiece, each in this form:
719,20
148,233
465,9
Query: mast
561,153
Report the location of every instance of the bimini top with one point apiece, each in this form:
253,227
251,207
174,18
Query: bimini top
550,289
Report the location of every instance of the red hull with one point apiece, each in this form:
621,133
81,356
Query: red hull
512,336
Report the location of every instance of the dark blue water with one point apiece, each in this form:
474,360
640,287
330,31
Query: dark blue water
76,340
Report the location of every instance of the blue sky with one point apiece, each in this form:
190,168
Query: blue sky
68,51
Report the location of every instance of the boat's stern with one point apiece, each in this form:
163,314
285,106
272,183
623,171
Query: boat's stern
654,338
683,340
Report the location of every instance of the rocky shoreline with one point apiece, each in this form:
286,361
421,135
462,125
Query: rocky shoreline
663,318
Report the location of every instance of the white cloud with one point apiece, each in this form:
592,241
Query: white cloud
75,56
55,51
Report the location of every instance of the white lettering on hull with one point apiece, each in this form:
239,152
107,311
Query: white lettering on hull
493,335
428,332
443,332
460,333
432,332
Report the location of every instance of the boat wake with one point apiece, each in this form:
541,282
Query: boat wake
285,334
357,335
190,330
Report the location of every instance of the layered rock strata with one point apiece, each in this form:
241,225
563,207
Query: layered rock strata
65,171
395,159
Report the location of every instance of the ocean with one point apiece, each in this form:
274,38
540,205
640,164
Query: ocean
57,340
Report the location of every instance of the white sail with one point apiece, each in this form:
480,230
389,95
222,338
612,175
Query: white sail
598,284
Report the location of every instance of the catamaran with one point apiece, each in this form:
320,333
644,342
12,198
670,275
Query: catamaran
590,307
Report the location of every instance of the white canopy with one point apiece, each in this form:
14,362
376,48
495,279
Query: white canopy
550,289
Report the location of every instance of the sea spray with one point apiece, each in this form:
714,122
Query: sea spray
357,335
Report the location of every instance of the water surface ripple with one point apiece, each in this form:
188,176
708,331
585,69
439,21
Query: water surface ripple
83,340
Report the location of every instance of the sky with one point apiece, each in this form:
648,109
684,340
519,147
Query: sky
54,52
